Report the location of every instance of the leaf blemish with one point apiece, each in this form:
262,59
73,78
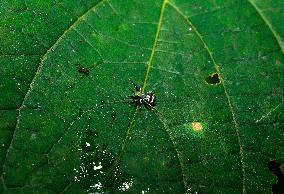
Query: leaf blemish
196,129
213,79
120,27
84,70
196,126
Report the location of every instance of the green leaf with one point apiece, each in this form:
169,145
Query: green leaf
215,66
271,12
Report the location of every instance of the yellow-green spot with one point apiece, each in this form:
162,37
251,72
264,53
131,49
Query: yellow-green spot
195,128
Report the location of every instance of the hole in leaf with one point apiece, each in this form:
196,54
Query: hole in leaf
213,79
274,167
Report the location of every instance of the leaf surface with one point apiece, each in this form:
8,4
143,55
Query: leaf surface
216,68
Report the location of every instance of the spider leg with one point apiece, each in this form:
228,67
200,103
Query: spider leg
128,100
147,105
137,88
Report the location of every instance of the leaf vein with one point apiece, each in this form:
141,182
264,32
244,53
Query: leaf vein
268,24
148,68
43,59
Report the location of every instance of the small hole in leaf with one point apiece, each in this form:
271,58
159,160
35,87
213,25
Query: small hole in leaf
274,167
213,79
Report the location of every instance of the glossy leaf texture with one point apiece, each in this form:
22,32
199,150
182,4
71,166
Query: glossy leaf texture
217,71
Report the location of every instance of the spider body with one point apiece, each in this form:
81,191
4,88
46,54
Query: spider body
139,98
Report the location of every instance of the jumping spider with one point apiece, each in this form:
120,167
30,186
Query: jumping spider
148,99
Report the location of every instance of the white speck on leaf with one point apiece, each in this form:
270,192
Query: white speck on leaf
98,167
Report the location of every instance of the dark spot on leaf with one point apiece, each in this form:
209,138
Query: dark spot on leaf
84,70
213,79
274,167
120,27
116,28
80,112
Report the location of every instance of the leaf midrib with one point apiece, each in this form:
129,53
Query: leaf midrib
131,125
